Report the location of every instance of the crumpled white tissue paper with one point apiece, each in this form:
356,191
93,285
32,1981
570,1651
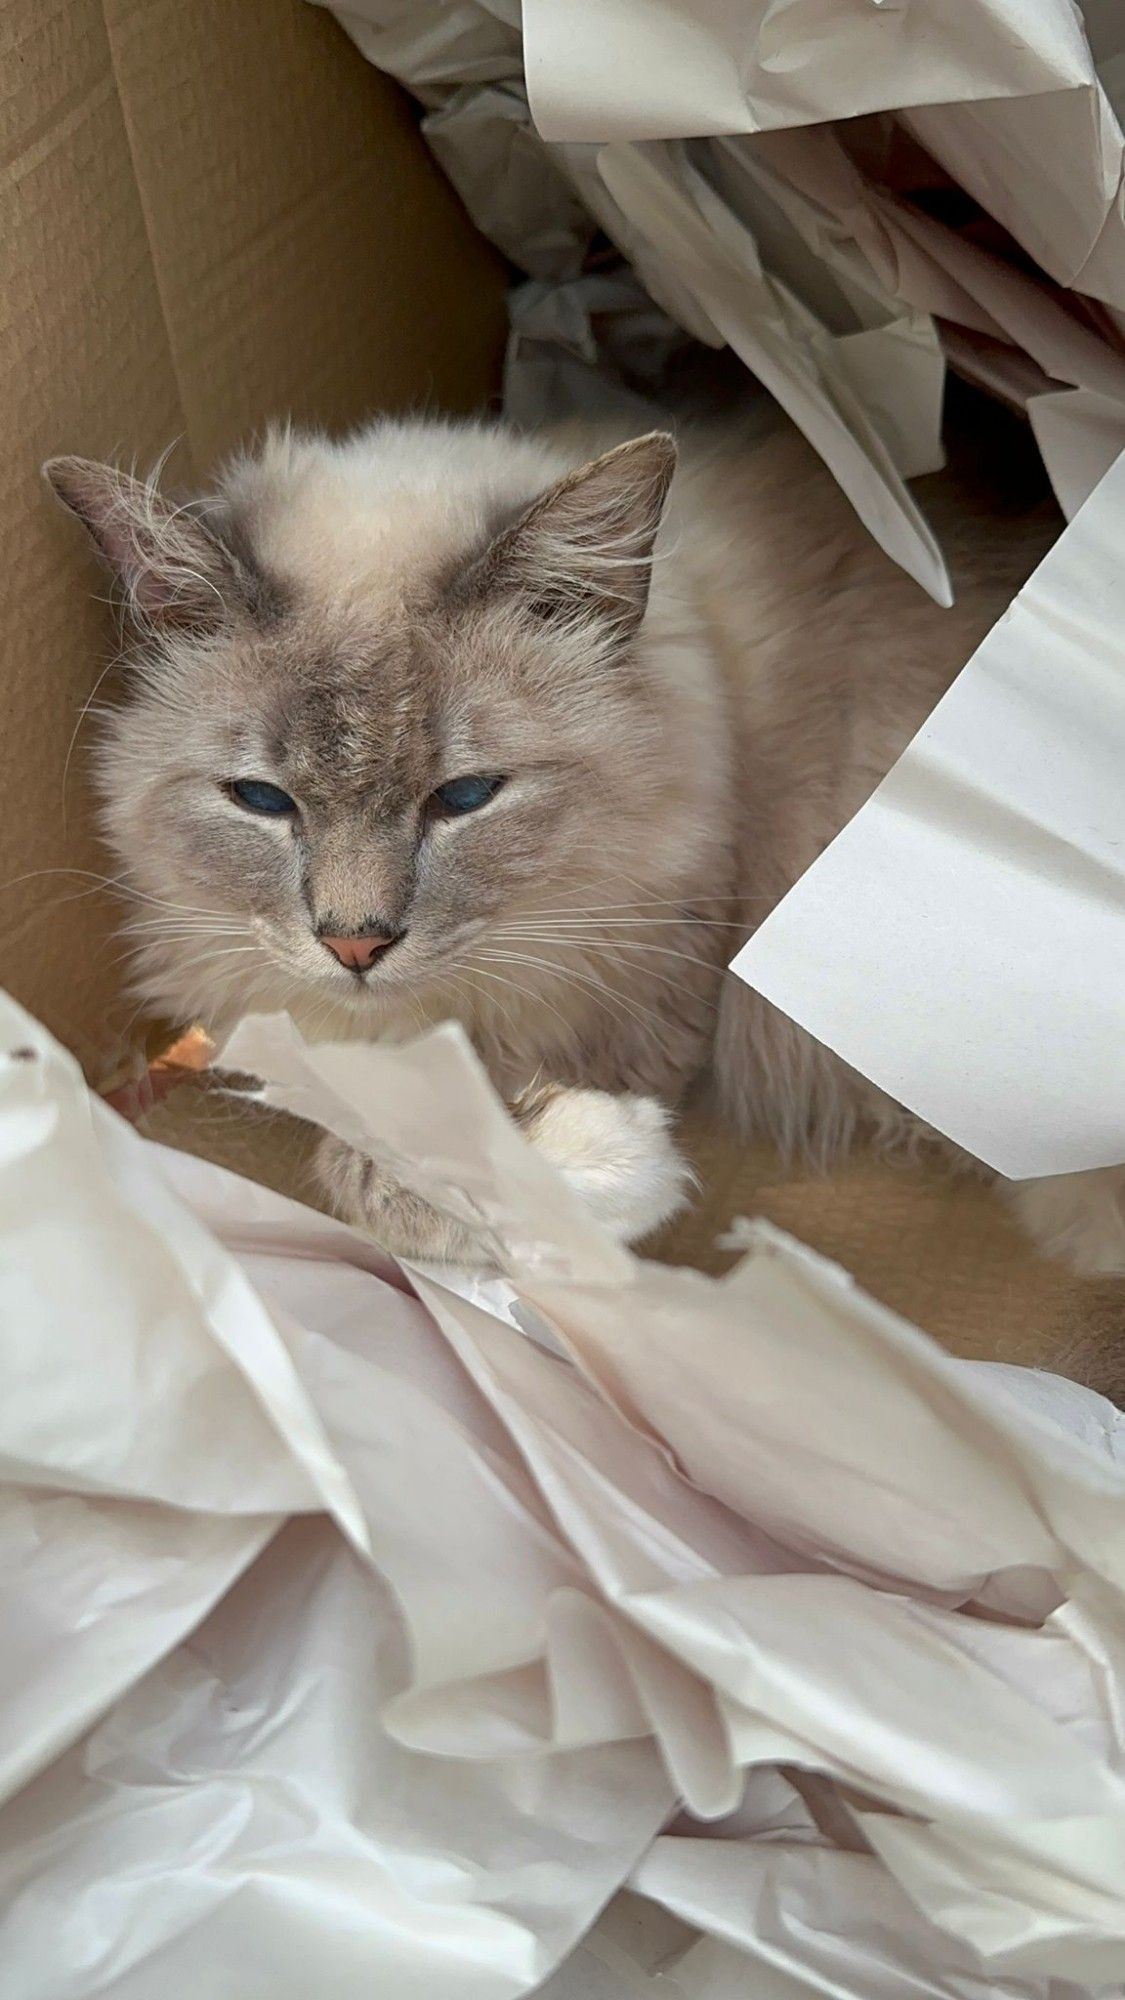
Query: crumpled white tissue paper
360,1641
870,189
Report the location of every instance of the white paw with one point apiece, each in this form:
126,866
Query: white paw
617,1154
1077,1217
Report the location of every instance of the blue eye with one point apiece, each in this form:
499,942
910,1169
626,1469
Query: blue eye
466,795
258,797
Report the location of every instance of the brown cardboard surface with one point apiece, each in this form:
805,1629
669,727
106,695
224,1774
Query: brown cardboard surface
310,256
211,212
83,362
939,1248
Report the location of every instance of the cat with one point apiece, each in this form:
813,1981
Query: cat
444,721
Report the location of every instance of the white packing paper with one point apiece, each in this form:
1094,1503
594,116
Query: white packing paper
571,347
413,1739
714,256
822,279
1105,32
998,90
237,1822
1006,153
1080,435
892,360
798,1922
962,940
437,46
524,1608
629,69
939,270
512,185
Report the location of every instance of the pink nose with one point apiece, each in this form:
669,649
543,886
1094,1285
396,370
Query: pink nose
357,953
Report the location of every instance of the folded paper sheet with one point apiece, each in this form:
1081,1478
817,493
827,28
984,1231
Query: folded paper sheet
962,940
367,1644
824,261
692,232
698,66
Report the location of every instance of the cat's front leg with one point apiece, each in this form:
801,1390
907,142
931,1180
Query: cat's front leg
616,1152
367,1196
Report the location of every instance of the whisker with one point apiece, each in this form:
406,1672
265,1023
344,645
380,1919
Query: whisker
597,987
458,982
522,992
117,884
187,961
665,921
683,907
83,712
181,927
608,948
609,942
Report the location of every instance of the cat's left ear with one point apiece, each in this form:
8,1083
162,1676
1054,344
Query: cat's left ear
172,570
584,549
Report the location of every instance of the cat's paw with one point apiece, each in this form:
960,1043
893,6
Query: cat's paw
365,1195
1079,1218
617,1153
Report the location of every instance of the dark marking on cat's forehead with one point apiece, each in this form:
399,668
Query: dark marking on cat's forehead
264,596
267,598
363,732
364,699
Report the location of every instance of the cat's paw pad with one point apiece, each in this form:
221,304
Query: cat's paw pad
617,1153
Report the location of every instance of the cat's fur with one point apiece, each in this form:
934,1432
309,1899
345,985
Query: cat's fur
689,687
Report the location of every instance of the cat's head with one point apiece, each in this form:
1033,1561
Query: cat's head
383,695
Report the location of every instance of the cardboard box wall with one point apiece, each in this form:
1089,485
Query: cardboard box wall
212,213
209,214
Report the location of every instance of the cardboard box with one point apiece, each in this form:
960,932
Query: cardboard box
212,214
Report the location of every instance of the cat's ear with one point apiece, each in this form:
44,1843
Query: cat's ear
171,569
584,549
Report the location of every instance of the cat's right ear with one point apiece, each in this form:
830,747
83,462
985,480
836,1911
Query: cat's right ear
582,553
172,571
